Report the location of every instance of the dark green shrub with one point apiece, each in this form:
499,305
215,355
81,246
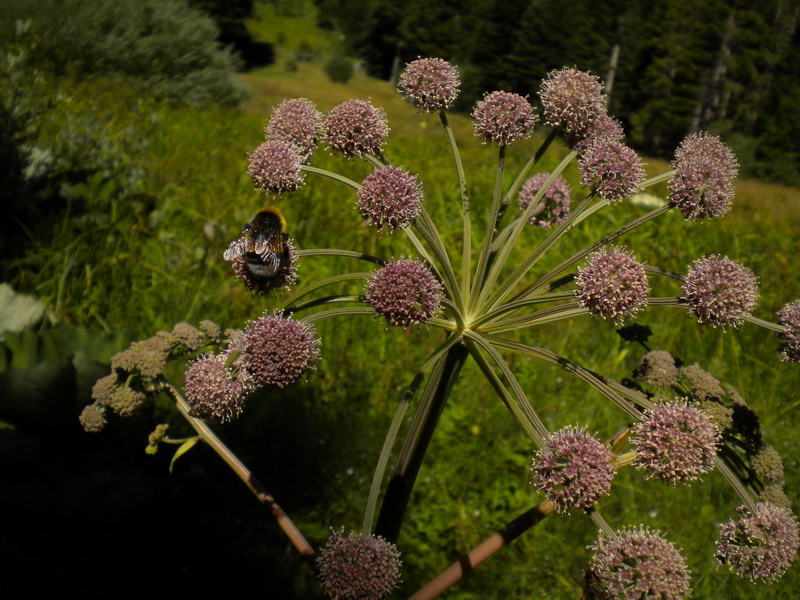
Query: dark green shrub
339,69
170,47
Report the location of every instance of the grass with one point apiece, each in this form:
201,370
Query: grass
476,476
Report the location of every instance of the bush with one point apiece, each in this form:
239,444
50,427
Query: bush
170,47
339,69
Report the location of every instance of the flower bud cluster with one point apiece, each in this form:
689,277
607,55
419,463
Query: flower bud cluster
359,567
637,564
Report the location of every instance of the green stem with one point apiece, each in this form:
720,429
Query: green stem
597,381
547,315
339,312
765,324
657,179
575,258
391,436
324,300
428,230
513,306
342,253
325,282
330,175
735,483
521,409
480,272
247,477
398,491
505,250
465,216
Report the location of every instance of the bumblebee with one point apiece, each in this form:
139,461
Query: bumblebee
263,244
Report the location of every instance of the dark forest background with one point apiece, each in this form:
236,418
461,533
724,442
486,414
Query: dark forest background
729,67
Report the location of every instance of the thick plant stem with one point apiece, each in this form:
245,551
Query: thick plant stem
225,453
545,279
398,491
484,551
331,175
465,217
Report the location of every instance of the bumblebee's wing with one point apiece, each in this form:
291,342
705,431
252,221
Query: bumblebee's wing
266,243
236,248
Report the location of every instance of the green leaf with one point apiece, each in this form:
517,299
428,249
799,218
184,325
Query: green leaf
183,449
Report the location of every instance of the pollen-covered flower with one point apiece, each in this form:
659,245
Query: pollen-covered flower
502,118
146,357
611,169
189,336
760,545
789,317
613,285
573,469
767,463
554,202
275,167
359,567
215,391
604,127
281,281
404,292
430,84
720,292
104,387
638,564
704,385
657,368
92,418
211,329
124,400
571,99
676,442
298,122
706,170
774,494
277,350
356,128
389,198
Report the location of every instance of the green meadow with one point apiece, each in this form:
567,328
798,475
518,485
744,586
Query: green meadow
157,260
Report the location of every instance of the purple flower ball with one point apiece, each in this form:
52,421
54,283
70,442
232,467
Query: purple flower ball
277,350
611,169
356,128
638,564
703,184
789,317
275,167
603,127
720,292
761,545
676,443
554,203
572,99
430,84
404,292
298,122
502,118
613,285
281,281
359,567
657,368
389,198
573,469
214,391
